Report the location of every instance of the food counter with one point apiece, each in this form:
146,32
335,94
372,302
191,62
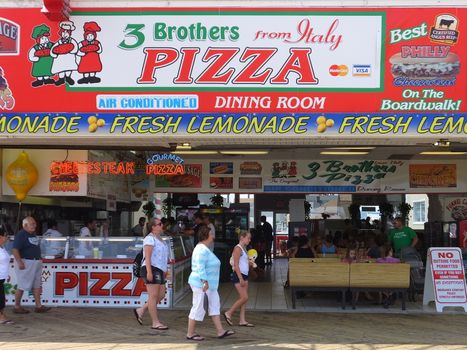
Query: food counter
98,272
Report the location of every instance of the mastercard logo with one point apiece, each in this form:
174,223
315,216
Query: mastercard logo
338,70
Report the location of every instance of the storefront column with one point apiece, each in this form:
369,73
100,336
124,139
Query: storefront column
435,208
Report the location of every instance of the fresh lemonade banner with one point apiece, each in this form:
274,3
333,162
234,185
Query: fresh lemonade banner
363,70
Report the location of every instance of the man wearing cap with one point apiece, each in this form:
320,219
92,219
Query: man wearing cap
89,50
64,54
40,57
28,266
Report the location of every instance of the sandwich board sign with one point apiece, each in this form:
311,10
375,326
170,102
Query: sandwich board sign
445,278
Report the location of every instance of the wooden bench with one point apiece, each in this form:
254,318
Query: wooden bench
379,278
325,260
306,275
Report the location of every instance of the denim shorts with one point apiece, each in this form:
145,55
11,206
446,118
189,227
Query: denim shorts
157,275
234,278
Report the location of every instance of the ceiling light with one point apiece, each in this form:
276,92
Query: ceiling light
351,148
243,152
183,147
442,143
441,153
186,144
342,153
194,152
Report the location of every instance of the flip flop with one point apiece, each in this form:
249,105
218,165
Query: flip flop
138,317
195,337
7,322
246,324
227,333
160,328
228,320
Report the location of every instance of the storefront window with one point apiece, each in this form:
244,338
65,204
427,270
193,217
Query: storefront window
419,212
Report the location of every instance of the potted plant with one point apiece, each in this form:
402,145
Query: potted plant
404,211
148,210
217,201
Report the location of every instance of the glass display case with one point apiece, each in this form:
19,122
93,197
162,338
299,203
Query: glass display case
81,270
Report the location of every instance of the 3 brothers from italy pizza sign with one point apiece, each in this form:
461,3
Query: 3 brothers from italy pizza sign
342,72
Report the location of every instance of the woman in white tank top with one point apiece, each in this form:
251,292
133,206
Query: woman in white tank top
239,277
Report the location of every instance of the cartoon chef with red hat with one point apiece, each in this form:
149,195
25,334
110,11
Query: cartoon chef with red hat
40,57
64,54
89,52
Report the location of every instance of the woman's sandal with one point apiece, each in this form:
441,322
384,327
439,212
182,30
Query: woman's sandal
228,320
248,324
195,337
138,317
227,333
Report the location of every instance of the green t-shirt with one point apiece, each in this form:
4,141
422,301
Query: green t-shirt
401,238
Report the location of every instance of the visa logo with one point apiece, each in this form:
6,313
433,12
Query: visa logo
361,70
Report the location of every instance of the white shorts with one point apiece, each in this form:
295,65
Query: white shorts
30,277
197,311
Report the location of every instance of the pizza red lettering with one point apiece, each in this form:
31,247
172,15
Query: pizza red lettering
123,279
300,63
65,280
188,61
250,74
102,278
212,74
83,283
155,58
138,288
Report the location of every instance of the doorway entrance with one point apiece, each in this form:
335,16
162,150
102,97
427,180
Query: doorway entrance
280,225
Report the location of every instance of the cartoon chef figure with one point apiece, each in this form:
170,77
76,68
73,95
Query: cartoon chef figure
89,52
63,52
40,57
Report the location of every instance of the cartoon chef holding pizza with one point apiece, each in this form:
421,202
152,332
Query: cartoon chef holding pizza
89,52
64,54
40,57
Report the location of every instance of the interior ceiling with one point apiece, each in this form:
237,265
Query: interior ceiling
299,147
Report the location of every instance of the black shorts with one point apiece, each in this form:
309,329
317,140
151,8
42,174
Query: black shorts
157,275
234,278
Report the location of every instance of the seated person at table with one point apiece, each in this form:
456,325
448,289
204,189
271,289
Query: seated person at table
388,257
350,256
328,247
304,249
374,250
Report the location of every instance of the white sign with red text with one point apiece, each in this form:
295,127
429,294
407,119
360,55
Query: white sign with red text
445,278
89,284
248,49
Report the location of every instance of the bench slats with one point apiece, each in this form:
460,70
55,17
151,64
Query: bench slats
308,274
379,276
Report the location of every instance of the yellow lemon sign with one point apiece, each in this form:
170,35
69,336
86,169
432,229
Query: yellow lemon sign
21,175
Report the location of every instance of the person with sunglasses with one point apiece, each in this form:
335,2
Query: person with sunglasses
154,272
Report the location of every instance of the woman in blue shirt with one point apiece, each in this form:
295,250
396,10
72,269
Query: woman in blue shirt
204,280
